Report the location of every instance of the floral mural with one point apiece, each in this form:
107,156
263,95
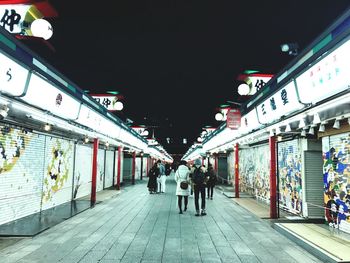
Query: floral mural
254,177
12,145
290,179
336,180
58,167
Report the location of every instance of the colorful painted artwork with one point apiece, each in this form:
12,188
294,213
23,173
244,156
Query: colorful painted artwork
59,166
21,177
336,180
12,145
290,179
254,176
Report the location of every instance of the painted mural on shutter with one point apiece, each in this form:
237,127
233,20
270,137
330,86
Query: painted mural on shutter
254,175
290,179
231,168
100,169
336,179
109,169
58,177
21,173
82,171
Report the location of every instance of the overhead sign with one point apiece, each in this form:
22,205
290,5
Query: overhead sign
110,102
327,77
282,103
43,94
12,17
255,81
13,76
233,119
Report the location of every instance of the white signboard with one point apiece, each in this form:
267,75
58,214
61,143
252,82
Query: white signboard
13,76
12,17
283,102
250,122
43,94
327,77
109,102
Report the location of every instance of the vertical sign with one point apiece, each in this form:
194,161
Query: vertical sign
233,120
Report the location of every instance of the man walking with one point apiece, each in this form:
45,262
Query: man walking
198,179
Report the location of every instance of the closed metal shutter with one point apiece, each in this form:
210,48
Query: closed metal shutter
290,176
109,169
313,184
82,171
58,176
254,172
100,169
21,173
231,167
138,168
222,169
127,166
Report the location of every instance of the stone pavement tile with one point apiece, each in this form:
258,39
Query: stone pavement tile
211,260
226,253
240,248
171,258
93,256
117,251
190,260
248,259
131,260
109,261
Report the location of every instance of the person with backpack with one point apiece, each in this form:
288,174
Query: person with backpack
211,181
199,181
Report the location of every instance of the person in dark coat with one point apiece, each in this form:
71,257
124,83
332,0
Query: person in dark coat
211,181
152,179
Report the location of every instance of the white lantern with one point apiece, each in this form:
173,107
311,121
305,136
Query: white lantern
243,89
219,116
119,105
41,28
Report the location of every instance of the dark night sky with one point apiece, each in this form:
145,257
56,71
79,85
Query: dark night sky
176,61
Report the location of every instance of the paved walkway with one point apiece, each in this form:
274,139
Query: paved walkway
139,227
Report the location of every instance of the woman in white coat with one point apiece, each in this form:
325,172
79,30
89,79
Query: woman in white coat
182,175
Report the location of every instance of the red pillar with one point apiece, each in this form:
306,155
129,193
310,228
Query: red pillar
133,168
94,172
273,192
236,171
119,167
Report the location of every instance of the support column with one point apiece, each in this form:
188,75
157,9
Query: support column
119,167
273,192
141,166
133,168
94,172
236,171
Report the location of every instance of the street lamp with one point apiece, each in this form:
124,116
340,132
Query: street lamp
291,48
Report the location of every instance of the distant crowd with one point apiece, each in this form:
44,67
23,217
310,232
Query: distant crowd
190,179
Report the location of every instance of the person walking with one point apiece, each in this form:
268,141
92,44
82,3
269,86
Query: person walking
162,177
199,180
182,185
152,179
211,181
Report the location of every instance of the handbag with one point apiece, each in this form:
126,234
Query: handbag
184,185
